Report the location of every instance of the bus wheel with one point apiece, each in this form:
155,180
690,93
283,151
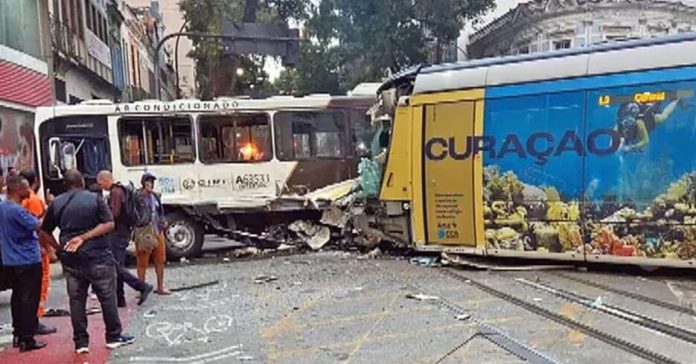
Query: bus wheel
184,237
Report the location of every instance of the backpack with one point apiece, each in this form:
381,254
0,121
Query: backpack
137,213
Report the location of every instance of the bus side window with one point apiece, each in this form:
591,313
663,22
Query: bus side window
235,138
311,135
156,140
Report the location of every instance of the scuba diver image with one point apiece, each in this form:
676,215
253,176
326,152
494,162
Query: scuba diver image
635,122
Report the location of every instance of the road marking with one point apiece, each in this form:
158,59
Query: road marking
201,358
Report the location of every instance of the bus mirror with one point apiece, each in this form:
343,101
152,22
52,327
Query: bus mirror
54,157
67,156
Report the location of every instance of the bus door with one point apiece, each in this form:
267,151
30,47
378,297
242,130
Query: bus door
73,142
451,189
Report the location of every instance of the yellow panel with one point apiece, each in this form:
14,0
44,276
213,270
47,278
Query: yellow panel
449,179
417,208
396,185
478,181
474,94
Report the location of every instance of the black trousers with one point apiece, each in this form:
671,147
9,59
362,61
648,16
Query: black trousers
25,281
118,249
102,278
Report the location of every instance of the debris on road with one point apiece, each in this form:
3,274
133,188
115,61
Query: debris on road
92,311
150,314
315,236
429,262
56,312
373,254
183,260
194,286
463,317
265,279
245,252
421,297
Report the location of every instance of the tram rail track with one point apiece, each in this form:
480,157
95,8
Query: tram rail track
588,330
621,313
639,297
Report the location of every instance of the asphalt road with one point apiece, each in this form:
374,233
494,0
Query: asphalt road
333,307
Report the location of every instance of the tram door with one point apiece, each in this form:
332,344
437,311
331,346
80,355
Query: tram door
451,189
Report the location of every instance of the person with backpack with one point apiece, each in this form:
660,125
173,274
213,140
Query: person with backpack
149,238
122,205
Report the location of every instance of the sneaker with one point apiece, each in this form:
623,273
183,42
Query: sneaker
82,350
122,340
145,293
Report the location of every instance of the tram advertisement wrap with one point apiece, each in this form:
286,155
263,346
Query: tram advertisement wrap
606,172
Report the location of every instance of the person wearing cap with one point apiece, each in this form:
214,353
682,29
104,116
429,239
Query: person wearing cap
159,252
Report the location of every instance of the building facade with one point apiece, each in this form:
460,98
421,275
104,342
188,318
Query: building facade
173,21
93,43
24,78
543,25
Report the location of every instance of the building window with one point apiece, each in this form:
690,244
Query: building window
235,138
61,94
154,140
561,44
19,26
311,135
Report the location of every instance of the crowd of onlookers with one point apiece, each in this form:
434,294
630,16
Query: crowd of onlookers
96,226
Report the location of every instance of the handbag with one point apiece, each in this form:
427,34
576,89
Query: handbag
146,237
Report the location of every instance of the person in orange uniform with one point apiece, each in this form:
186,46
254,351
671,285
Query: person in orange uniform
36,206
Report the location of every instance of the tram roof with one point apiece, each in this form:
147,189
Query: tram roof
608,58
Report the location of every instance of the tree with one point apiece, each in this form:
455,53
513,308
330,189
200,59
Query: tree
358,41
216,73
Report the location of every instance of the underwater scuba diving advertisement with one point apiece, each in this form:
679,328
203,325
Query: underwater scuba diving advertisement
602,172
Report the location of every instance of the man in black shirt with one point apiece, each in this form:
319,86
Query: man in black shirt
85,222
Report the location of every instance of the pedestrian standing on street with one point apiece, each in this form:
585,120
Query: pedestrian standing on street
85,221
150,241
21,257
120,239
36,206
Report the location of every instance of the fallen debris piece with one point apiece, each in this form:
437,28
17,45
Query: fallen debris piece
150,314
463,317
376,252
422,297
183,260
56,312
429,262
225,259
598,302
537,299
313,235
284,247
265,279
245,252
200,285
93,311
246,358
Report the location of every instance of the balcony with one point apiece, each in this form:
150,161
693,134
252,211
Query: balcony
66,41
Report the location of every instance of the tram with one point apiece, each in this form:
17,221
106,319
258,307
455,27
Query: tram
223,165
577,155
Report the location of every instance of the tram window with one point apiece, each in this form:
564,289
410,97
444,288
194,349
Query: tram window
235,138
311,135
154,140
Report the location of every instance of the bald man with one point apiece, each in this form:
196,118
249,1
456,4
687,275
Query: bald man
120,239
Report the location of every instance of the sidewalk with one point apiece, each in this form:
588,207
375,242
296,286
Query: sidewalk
60,349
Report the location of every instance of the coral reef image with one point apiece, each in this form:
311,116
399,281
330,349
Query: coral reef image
523,217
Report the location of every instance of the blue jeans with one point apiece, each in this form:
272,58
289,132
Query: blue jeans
118,249
102,278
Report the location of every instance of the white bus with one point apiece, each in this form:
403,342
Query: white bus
222,166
